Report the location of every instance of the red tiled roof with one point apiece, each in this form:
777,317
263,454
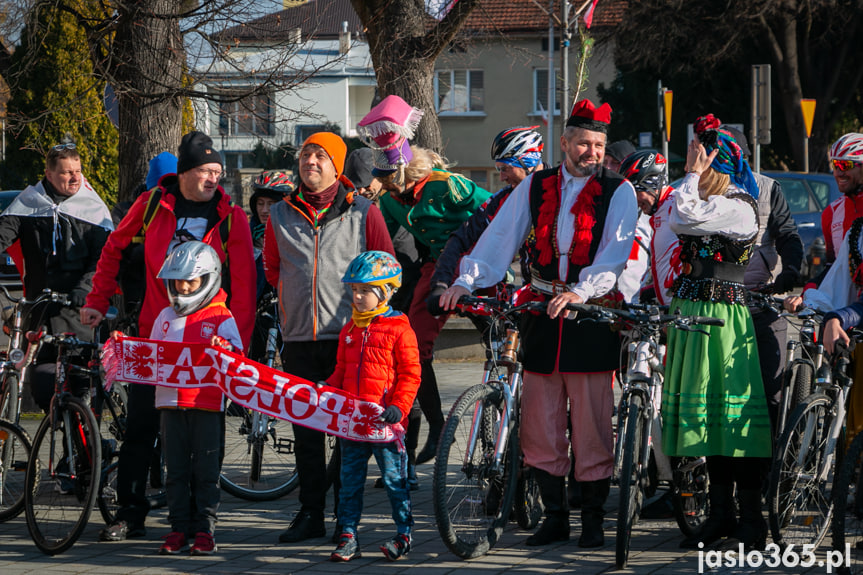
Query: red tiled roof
323,18
528,16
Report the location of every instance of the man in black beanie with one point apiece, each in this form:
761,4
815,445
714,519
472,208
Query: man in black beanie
358,169
190,205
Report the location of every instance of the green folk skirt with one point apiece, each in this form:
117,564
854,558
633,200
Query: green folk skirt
713,399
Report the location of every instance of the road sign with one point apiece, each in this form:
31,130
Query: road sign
667,97
808,107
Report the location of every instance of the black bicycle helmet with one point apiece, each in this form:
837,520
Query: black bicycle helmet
648,172
516,142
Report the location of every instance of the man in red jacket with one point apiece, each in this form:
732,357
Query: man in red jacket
191,206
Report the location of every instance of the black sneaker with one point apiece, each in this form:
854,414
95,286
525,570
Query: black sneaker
303,527
120,531
347,549
397,548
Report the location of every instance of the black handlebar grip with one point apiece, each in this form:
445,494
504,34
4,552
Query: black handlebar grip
701,320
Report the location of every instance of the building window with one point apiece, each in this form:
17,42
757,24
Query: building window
540,92
459,91
303,132
249,116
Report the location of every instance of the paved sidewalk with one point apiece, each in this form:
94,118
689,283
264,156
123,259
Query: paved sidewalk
248,532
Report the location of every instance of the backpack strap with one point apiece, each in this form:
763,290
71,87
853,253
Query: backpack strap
149,214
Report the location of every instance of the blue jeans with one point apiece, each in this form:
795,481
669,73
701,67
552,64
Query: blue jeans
355,467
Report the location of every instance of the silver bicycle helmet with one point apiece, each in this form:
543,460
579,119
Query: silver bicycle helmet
188,261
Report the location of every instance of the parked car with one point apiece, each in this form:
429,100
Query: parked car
9,275
807,195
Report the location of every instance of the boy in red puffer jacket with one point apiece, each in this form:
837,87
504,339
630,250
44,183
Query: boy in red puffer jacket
193,419
377,360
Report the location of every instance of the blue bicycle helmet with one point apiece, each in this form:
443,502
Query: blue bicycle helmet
375,268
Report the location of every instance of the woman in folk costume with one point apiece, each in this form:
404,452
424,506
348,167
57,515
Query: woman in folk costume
713,400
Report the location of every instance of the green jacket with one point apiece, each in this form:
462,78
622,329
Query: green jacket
439,205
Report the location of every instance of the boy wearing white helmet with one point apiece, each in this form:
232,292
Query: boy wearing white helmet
377,360
193,419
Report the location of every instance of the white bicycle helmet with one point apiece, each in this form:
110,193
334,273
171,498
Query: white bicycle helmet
188,261
516,142
848,147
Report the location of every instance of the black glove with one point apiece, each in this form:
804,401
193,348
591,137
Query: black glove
77,297
433,300
786,281
391,414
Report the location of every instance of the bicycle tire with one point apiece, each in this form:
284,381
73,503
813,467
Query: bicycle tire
15,448
848,512
800,508
55,520
472,501
631,470
689,494
9,398
804,377
527,505
257,468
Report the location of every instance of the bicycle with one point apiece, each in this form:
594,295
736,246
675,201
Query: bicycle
478,467
16,359
259,449
802,479
15,447
638,408
803,355
64,470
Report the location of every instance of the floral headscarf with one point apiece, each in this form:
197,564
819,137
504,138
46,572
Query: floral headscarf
730,158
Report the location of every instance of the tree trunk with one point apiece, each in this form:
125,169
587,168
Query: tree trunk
790,87
148,63
404,50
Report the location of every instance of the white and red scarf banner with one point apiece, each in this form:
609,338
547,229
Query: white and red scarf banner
248,383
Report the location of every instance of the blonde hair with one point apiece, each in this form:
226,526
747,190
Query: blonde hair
418,168
712,183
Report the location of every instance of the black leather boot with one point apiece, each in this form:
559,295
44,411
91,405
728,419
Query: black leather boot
593,496
720,522
752,528
555,526
573,488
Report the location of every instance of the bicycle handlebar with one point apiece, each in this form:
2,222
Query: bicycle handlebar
46,295
641,314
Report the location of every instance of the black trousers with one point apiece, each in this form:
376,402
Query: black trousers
314,361
136,453
771,332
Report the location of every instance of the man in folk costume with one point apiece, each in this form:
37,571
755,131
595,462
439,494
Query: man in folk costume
580,220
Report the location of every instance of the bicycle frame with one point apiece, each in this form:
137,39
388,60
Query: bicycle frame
510,388
812,354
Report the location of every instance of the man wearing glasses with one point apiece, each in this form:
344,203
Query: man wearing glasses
190,205
61,224
846,160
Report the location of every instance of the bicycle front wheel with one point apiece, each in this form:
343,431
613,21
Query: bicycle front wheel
61,485
259,463
848,512
799,495
472,496
9,397
14,452
631,470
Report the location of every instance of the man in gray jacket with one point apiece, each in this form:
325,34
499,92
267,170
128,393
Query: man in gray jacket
310,238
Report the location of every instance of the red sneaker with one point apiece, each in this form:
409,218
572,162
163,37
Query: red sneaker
174,543
204,544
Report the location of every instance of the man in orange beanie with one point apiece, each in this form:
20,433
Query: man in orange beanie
309,241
